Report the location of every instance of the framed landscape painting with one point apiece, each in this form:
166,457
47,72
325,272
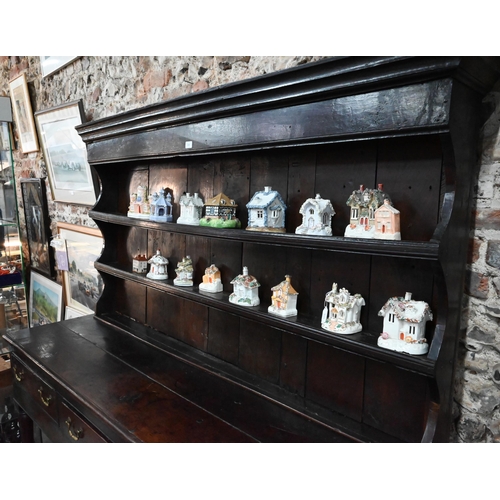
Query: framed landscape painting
45,301
23,114
83,284
70,175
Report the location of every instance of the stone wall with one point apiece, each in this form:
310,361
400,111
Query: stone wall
477,392
112,84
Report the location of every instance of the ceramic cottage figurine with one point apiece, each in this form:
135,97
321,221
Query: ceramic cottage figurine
317,216
139,205
266,211
387,222
404,325
191,208
246,290
161,207
158,269
342,311
364,203
284,299
140,264
184,272
220,212
211,280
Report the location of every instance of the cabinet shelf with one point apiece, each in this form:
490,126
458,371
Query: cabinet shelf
363,343
404,249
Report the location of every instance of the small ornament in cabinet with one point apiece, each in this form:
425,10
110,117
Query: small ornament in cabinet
161,207
284,299
139,204
266,211
158,269
191,208
342,311
245,290
184,272
317,216
140,264
387,222
404,325
211,281
363,203
220,212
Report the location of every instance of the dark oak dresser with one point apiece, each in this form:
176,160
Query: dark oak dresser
163,363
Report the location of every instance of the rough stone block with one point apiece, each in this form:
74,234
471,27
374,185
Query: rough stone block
477,285
493,254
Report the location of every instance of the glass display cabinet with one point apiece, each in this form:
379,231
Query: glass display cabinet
13,305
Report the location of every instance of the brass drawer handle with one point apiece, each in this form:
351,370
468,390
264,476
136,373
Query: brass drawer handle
46,401
18,374
77,433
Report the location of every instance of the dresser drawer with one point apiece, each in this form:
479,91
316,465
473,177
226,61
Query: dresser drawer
27,382
75,429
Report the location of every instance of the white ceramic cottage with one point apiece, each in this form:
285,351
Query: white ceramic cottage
317,216
387,225
404,325
139,205
266,211
246,290
191,208
342,311
161,207
184,272
284,299
211,281
158,269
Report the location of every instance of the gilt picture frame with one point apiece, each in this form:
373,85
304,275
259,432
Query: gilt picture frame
82,283
36,215
23,114
71,178
45,300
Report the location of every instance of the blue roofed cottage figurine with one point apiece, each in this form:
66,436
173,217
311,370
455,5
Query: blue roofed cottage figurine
266,211
161,207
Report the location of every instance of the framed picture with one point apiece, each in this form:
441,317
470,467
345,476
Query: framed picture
51,64
37,226
82,283
70,176
70,313
23,114
46,300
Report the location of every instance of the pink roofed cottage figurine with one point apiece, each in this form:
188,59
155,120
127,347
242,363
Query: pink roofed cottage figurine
404,325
